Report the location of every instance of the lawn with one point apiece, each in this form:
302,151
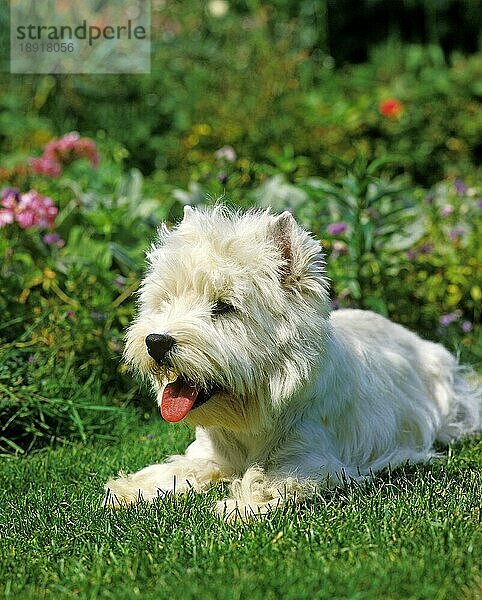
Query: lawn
413,533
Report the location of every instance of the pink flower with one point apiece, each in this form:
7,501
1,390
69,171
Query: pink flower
62,146
9,200
34,210
226,152
62,151
25,218
466,326
46,165
6,217
28,210
390,108
337,228
446,210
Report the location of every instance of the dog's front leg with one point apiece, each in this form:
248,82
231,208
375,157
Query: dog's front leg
196,469
258,493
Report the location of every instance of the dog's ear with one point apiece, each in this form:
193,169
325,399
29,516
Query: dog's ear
188,213
283,229
302,254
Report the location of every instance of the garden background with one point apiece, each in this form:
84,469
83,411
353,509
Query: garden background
362,118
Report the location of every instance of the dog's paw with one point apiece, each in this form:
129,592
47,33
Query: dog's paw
123,492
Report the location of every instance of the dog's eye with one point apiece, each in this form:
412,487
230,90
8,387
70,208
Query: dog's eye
221,308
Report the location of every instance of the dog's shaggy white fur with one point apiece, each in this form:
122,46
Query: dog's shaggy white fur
284,394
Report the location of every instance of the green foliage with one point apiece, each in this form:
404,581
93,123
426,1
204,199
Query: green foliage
377,219
249,81
404,247
65,309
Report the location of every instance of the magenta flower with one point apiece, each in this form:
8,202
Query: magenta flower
446,320
466,326
412,254
337,228
457,232
446,210
460,187
53,239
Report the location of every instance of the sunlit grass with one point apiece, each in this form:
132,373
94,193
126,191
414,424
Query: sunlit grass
408,534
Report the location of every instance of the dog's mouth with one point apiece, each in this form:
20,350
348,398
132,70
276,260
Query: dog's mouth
181,396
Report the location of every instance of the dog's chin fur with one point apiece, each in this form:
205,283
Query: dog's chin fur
309,398
224,411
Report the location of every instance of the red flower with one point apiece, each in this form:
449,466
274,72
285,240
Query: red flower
390,108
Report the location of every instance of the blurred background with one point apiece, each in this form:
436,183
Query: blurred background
362,118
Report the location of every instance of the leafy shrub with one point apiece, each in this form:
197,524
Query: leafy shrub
67,279
249,81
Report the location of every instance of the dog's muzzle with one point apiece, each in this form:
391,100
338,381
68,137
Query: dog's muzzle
158,345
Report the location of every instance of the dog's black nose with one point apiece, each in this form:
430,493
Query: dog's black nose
158,345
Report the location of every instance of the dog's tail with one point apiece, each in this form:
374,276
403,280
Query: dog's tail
462,388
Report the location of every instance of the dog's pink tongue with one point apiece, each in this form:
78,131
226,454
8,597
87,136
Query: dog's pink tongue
177,400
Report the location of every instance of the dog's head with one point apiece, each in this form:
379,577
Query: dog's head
232,315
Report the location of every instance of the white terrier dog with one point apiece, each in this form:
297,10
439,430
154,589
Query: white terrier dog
235,333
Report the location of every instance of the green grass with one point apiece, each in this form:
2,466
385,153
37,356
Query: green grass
410,534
